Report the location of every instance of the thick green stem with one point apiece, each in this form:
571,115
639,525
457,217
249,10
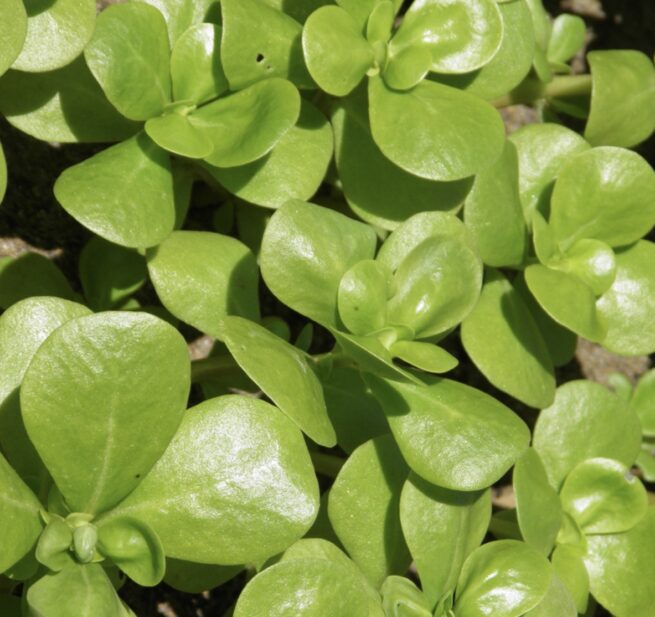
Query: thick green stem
327,464
531,90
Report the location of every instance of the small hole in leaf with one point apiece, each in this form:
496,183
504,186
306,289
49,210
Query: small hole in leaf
260,57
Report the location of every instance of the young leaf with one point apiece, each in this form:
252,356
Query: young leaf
592,261
272,47
124,193
622,102
71,401
504,342
434,131
293,169
425,356
451,434
557,601
306,250
400,596
585,421
538,507
336,52
202,276
360,10
442,528
283,373
643,402
57,32
236,485
567,38
53,549
129,56
13,29
191,577
616,561
603,496
180,15
569,565
135,548
627,307
175,133
407,66
363,509
505,578
246,125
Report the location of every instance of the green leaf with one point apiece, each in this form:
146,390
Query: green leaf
19,512
628,306
607,194
71,402
617,564
293,169
585,421
557,601
567,37
246,125
109,273
451,434
57,32
54,548
3,174
175,133
66,105
493,212
306,250
236,485
202,276
272,47
646,461
505,343
124,193
435,131
400,596
13,29
512,61
378,191
196,71
180,15
83,590
504,578
31,274
643,402
303,588
425,356
363,508
407,66
380,22
592,261
360,10
135,548
543,150
336,52
354,412
442,528
538,507
283,373
622,98
192,577
567,300
474,33
300,10
569,565
603,496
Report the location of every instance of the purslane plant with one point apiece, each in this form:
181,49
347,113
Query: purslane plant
427,227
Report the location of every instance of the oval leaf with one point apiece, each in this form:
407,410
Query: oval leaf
13,29
175,133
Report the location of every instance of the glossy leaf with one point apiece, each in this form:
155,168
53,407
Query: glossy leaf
13,29
380,22
603,496
425,356
407,67
293,169
505,578
567,37
607,194
622,103
175,133
134,548
238,475
66,105
585,421
451,434
592,261
71,402
180,15
53,549
569,565
442,528
246,125
628,306
557,601
124,194
538,507
82,590
474,32
643,402
363,508
504,342
57,32
190,577
129,56
336,52
196,70
378,191
303,588
272,47
434,131
202,276
283,373
616,561
306,250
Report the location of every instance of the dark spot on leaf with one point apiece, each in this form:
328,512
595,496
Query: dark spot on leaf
138,476
260,57
269,67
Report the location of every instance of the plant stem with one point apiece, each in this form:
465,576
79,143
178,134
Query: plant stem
532,90
205,369
327,464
